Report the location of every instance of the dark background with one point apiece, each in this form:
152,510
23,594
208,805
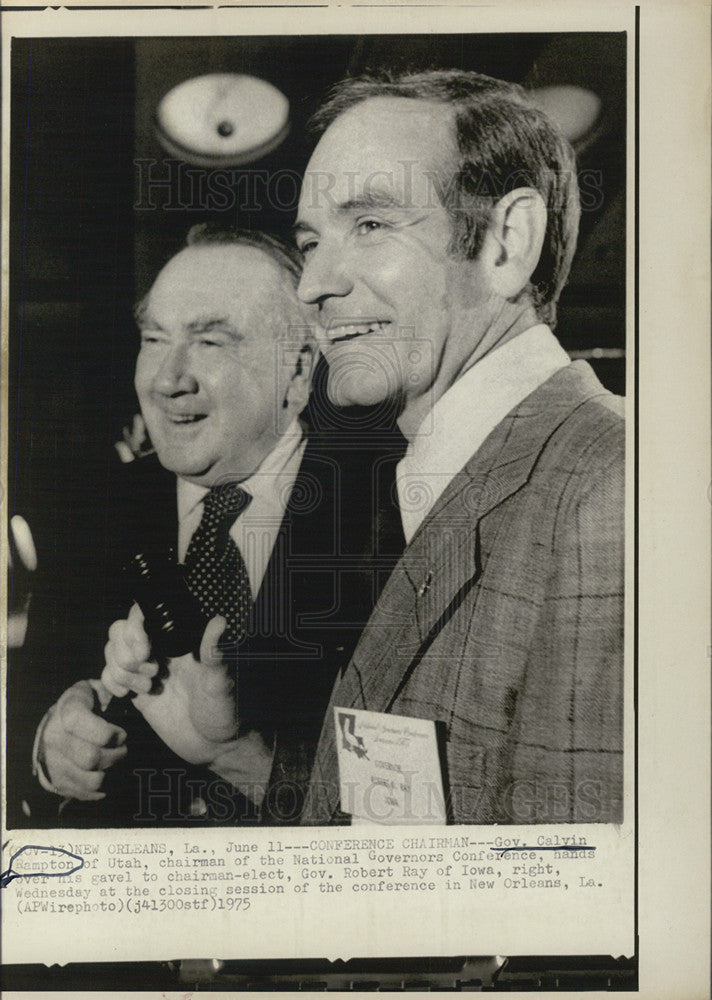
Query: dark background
88,236
87,241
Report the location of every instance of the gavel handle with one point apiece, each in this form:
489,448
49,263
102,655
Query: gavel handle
118,711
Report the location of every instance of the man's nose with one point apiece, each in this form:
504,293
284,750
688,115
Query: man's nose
174,376
326,273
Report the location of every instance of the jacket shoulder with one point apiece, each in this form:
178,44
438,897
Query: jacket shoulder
581,469
590,439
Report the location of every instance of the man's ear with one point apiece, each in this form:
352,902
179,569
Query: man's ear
515,235
299,385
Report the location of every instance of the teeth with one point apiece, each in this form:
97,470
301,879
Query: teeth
348,330
188,418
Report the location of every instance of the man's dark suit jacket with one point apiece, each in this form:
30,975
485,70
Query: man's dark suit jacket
334,551
503,621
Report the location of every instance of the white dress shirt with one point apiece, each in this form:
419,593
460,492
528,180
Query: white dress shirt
464,416
255,530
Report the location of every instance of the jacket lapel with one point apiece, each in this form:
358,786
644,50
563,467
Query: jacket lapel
304,537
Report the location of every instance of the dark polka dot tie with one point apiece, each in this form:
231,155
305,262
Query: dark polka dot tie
215,570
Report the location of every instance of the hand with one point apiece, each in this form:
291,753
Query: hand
127,657
135,442
195,710
77,745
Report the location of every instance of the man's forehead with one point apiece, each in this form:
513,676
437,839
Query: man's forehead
207,258
383,145
399,119
223,274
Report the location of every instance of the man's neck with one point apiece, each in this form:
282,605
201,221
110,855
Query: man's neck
510,323
264,461
265,478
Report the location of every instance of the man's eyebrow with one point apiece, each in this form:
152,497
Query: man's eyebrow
368,201
210,323
142,315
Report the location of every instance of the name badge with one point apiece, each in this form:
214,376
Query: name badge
389,768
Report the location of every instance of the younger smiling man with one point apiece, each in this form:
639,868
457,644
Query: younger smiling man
438,220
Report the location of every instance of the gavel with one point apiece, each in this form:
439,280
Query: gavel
172,617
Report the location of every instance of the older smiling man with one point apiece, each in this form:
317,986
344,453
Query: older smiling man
250,509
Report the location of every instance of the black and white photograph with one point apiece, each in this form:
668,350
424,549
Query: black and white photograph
335,330
321,481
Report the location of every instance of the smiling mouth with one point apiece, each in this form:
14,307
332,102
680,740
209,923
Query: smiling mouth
185,418
349,331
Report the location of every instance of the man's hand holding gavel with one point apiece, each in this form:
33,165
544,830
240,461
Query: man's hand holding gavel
75,745
194,710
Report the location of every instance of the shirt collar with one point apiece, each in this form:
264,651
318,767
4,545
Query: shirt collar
464,416
265,482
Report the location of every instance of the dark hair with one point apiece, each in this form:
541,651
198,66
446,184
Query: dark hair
504,142
284,255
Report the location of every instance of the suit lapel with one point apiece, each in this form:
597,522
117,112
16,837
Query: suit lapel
443,560
307,516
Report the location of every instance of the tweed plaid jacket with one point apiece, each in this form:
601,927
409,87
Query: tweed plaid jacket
503,621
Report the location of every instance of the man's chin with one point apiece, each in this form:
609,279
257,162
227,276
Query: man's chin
362,377
194,471
353,391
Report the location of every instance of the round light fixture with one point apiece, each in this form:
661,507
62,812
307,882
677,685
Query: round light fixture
222,119
574,109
